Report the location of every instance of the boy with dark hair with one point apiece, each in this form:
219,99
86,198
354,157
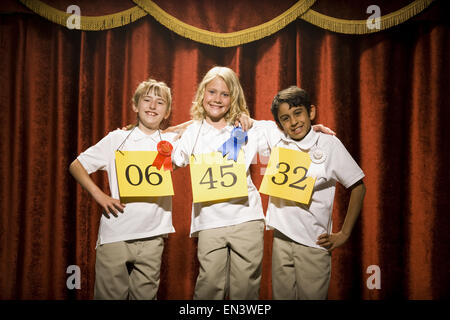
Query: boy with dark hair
303,241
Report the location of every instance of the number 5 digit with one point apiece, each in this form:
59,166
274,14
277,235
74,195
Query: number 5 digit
225,173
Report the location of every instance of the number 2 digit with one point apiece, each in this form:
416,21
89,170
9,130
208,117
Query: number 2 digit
293,185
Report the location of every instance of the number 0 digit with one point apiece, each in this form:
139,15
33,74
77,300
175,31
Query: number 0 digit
127,175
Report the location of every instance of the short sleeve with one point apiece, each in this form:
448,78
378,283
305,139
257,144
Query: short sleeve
97,156
343,168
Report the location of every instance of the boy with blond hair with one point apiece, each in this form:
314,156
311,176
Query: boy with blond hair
131,236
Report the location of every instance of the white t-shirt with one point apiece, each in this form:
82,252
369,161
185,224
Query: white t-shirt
299,222
200,137
139,219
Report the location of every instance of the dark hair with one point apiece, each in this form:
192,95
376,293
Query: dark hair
294,97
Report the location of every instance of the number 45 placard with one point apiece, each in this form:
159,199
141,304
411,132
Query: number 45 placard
286,176
214,177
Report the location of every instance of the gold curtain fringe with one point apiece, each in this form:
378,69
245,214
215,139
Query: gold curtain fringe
225,39
87,23
360,26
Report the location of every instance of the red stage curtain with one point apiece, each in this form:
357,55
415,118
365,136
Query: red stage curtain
384,94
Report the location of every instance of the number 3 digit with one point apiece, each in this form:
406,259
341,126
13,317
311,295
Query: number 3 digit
283,173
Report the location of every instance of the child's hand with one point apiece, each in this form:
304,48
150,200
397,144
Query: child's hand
323,129
245,121
332,241
110,205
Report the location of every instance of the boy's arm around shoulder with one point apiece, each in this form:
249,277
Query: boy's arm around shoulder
178,129
333,240
109,205
184,145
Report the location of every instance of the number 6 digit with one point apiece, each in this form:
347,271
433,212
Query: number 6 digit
147,176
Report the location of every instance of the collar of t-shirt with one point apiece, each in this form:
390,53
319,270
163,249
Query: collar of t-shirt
139,135
306,143
206,128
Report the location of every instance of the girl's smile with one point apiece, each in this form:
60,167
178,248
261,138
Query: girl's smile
216,101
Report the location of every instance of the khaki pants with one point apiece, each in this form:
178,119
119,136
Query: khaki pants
230,261
298,271
128,269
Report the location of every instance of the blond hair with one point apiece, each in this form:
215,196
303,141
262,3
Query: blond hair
158,88
238,104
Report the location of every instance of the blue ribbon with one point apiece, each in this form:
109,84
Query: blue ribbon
232,146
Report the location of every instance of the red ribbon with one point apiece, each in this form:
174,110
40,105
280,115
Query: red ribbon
163,158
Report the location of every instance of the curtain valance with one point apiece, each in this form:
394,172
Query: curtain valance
301,9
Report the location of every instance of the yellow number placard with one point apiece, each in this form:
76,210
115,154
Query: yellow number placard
138,180
286,176
215,177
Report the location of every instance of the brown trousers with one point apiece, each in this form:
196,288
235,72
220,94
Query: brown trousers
298,271
128,269
230,261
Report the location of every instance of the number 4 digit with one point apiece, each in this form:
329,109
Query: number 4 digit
210,181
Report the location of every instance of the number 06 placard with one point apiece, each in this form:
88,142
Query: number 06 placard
214,177
138,180
286,176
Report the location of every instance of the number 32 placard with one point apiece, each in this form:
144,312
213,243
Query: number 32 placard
215,177
286,176
138,180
